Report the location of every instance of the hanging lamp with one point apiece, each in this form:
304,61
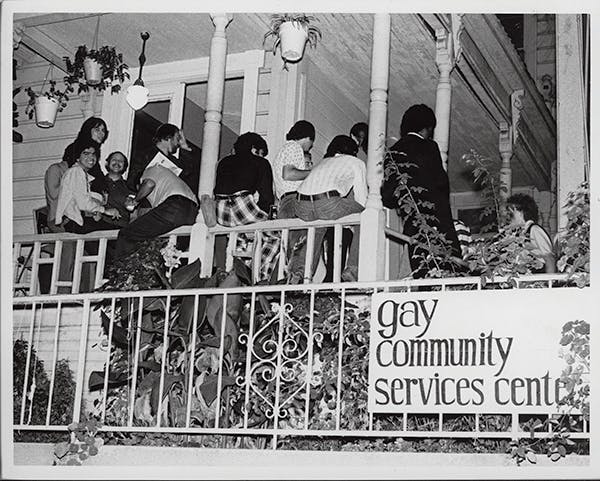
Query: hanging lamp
137,94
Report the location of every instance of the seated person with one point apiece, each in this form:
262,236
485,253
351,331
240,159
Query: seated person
244,192
240,178
523,215
173,202
116,188
325,194
76,202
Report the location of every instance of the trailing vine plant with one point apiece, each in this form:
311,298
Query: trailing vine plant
432,248
574,240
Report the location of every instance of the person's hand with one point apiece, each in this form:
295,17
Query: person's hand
112,213
131,203
183,142
97,216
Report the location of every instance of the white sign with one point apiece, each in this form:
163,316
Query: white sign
493,351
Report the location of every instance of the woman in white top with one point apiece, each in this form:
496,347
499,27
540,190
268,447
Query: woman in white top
78,208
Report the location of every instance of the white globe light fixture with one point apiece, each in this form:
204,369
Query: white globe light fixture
137,94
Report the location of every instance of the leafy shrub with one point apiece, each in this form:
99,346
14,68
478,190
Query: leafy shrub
38,391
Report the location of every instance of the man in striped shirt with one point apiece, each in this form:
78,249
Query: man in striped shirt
336,187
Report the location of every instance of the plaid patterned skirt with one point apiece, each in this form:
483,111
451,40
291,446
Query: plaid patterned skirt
241,209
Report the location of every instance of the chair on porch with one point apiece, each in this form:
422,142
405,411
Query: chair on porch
24,264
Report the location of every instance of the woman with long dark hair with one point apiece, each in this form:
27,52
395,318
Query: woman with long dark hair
94,129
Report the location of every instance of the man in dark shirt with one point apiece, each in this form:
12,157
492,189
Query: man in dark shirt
418,156
240,178
117,188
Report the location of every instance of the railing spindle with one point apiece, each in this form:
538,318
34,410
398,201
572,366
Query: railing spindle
100,262
221,360
310,249
136,359
309,361
77,267
108,352
249,352
192,360
54,360
28,362
34,281
338,411
337,252
163,360
80,381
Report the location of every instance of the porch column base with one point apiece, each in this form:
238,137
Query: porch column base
371,261
202,244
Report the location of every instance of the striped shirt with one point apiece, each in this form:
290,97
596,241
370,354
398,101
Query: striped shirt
464,236
341,173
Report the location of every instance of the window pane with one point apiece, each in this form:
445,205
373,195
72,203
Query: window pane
195,108
145,123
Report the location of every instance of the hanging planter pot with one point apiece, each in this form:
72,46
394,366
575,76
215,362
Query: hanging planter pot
93,71
293,37
101,69
45,111
46,103
291,33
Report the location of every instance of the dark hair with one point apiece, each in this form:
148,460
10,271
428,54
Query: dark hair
341,144
85,132
80,145
125,164
164,131
300,130
417,118
245,143
524,203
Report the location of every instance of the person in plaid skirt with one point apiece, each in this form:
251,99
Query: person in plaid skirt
244,193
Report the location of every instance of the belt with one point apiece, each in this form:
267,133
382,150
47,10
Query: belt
293,192
229,196
322,195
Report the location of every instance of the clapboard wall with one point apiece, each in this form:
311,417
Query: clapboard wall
328,109
40,147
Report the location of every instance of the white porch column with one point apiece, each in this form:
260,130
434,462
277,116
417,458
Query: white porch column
372,222
443,95
201,245
214,104
506,151
573,155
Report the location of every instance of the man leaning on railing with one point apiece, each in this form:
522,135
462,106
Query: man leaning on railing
173,202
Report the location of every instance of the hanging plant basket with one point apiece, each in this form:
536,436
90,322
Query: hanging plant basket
291,33
93,71
293,37
46,103
45,111
101,69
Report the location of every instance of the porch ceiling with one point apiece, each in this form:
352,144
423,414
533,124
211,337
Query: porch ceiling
343,55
